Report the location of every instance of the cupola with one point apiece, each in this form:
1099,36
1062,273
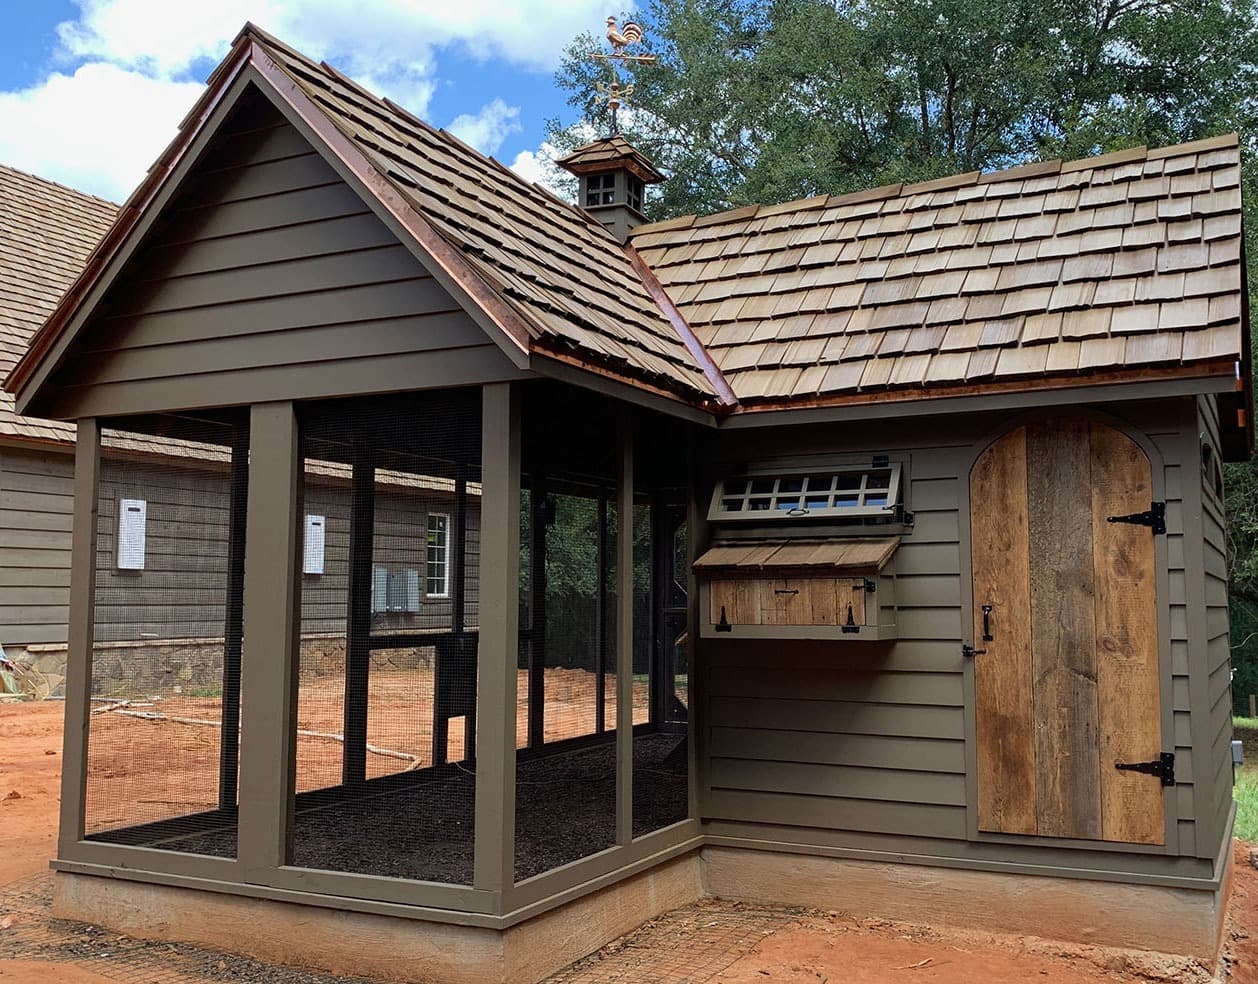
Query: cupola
612,179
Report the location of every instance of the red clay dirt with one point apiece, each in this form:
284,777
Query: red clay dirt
800,948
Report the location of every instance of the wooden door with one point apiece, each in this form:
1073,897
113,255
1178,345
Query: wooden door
1069,683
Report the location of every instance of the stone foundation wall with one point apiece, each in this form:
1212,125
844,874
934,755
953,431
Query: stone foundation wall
162,666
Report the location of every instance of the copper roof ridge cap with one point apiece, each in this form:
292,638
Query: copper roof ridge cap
57,184
724,392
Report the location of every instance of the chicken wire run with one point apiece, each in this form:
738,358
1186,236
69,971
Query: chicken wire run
384,736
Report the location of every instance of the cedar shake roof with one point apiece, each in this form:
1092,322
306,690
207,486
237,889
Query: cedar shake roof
748,558
566,275
46,234
1124,267
609,153
1127,261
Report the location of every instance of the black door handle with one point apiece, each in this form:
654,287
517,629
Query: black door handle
987,623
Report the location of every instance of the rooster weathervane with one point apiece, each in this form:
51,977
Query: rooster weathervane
621,38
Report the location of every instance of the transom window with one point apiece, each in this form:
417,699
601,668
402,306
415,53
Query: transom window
600,189
437,561
856,491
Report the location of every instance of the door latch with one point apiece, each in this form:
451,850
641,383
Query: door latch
969,652
1163,767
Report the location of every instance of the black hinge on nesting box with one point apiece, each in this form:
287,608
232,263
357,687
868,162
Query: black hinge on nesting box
1154,518
1163,768
723,625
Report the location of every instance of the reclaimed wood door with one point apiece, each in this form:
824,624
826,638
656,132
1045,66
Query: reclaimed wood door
1068,684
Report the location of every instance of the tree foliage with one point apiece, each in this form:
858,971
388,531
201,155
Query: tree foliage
770,100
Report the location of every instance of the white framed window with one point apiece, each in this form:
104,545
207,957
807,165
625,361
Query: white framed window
316,539
857,491
132,530
437,556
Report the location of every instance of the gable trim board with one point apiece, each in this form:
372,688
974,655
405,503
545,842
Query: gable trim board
132,232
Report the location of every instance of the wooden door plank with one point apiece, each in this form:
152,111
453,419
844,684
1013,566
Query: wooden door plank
1063,629
825,602
1128,691
1002,676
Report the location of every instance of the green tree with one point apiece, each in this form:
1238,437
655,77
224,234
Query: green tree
770,100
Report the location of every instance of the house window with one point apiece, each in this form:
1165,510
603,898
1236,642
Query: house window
833,493
132,523
437,584
600,189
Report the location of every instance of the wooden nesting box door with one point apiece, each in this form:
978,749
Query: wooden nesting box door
1069,683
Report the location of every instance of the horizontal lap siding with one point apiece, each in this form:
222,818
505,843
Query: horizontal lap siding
181,592
267,271
399,542
865,737
1218,645
36,506
864,744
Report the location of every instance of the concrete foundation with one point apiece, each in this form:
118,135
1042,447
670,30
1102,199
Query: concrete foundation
1146,917
1182,921
364,944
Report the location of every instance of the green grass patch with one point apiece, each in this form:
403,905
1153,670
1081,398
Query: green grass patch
1246,788
1246,793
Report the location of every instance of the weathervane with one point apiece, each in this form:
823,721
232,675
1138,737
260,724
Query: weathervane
620,39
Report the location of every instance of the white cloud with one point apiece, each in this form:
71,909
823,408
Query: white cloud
98,129
487,129
165,37
128,70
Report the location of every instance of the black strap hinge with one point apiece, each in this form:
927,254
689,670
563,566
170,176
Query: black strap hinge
1154,518
1163,768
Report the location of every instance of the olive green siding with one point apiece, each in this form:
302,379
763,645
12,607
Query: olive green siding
36,510
863,746
1217,648
268,277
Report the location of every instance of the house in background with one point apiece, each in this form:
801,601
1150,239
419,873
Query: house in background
47,232
162,629
930,473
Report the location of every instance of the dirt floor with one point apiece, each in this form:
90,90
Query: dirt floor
711,941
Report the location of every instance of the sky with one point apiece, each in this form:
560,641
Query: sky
91,91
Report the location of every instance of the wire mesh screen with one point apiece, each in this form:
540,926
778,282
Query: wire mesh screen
660,776
163,733
386,693
566,776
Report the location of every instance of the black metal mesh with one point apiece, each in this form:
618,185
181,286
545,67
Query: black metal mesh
163,733
386,725
660,775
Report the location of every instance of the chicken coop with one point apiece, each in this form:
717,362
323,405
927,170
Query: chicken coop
486,575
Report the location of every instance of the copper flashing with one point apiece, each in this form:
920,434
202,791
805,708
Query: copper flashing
725,395
448,259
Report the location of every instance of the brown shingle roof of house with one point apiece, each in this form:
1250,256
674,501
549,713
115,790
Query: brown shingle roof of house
46,234
1130,260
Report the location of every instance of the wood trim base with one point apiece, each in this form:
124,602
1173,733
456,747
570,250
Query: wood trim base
1148,917
338,941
